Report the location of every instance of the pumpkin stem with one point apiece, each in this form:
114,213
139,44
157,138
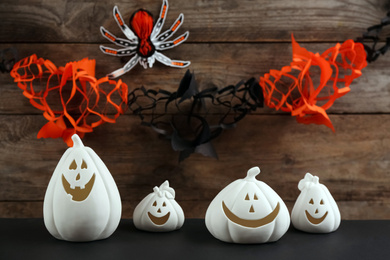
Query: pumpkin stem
77,141
166,190
311,178
157,191
252,173
307,181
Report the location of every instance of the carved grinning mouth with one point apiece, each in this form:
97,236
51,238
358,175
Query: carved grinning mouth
252,223
314,220
77,193
159,220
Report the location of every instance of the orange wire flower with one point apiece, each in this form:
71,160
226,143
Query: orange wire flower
71,98
293,89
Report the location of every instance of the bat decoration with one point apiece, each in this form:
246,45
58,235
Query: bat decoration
192,128
144,41
372,35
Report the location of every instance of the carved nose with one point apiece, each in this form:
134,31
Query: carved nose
316,211
251,209
159,210
78,177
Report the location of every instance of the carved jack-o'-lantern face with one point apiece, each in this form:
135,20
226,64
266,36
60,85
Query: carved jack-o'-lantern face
247,211
159,212
82,202
160,215
251,223
78,179
313,218
315,209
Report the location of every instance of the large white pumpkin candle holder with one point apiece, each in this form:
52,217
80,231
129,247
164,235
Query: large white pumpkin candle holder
247,211
159,211
82,201
315,210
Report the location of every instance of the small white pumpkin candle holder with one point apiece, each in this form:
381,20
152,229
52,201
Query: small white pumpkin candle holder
315,210
82,201
159,211
247,211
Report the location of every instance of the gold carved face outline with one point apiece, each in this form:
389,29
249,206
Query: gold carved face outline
251,223
313,220
159,220
78,194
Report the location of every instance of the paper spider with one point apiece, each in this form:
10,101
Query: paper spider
144,41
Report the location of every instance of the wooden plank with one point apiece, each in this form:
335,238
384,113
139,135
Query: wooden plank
353,162
213,64
350,210
207,21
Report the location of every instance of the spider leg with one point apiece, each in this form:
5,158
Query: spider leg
151,61
118,41
168,45
160,22
128,66
168,33
125,29
147,62
121,52
172,63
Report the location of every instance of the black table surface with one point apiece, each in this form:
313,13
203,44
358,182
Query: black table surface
29,239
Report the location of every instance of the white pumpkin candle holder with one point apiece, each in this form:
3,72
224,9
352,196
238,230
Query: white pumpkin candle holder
315,210
159,212
82,201
247,211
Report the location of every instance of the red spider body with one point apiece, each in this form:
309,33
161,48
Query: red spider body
141,23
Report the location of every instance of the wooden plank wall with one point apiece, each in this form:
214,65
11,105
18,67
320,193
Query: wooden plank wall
229,40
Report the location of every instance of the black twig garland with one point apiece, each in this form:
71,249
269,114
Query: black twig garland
191,130
372,35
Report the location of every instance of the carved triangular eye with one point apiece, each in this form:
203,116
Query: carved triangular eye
246,197
73,165
322,202
154,204
255,197
311,201
164,205
84,165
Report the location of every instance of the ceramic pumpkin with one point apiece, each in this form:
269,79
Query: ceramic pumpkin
315,210
158,211
247,211
82,201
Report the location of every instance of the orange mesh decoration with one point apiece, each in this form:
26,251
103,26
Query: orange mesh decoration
293,89
71,98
